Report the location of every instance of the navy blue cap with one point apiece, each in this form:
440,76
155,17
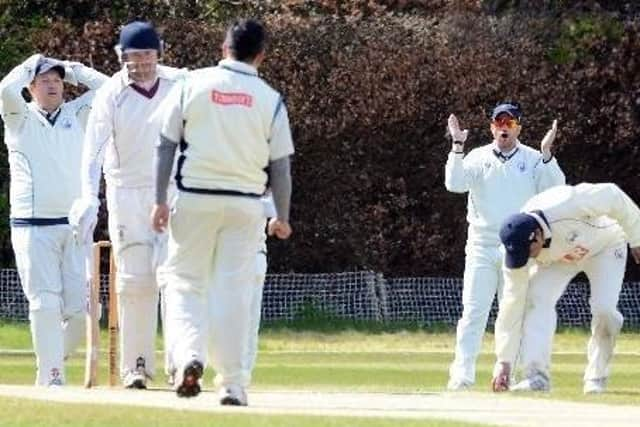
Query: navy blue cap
511,109
48,64
139,35
517,233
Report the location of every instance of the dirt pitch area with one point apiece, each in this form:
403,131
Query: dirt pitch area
470,407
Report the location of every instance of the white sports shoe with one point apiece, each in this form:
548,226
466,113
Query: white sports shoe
233,395
455,384
536,382
55,383
597,386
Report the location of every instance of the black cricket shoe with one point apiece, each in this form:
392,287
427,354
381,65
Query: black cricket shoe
190,384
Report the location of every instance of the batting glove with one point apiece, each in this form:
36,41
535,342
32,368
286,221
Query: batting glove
83,218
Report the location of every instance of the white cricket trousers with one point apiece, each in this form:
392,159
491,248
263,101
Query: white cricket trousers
210,274
606,273
255,311
138,251
51,266
256,305
482,280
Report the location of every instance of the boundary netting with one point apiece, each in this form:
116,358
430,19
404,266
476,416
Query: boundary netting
363,295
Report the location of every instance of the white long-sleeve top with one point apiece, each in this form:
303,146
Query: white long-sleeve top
123,128
581,221
44,158
498,186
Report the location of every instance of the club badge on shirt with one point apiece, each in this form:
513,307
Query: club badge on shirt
65,123
571,237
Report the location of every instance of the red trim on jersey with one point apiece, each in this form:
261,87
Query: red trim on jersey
231,98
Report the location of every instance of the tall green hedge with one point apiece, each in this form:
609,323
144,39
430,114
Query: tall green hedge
369,85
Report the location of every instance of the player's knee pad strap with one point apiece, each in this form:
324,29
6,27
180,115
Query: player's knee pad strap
136,286
135,273
45,301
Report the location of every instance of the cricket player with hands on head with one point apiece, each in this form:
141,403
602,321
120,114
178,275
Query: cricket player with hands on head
499,178
230,126
558,234
122,131
44,141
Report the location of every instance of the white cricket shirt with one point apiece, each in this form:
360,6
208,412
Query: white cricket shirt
229,124
123,128
44,157
498,187
581,222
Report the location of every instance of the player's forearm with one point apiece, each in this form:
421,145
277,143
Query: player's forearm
454,174
80,73
162,167
549,175
90,175
280,181
12,84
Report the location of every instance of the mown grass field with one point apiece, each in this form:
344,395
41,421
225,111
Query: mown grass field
341,360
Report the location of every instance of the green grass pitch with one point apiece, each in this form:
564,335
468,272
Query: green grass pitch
342,360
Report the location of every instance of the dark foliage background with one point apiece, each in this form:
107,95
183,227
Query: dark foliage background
369,85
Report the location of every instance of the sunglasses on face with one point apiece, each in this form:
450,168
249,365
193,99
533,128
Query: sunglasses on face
509,122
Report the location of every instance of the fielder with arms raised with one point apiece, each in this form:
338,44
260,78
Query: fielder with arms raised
499,178
230,126
44,140
560,233
123,128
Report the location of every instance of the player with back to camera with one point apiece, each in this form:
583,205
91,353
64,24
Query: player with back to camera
229,125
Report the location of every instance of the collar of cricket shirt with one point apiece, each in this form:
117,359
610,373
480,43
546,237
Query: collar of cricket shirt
238,67
544,224
50,116
504,156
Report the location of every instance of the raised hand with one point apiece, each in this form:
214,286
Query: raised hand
454,130
547,141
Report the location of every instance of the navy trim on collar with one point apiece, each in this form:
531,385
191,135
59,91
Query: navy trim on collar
504,157
233,70
547,242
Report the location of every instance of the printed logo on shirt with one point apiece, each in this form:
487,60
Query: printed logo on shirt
521,166
619,253
231,98
576,254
